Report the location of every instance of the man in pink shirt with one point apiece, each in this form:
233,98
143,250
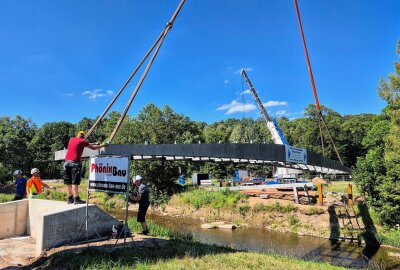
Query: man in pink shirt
73,165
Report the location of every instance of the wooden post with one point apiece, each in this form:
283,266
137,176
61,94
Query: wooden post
296,195
350,193
320,194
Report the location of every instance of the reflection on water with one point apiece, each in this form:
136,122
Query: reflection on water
289,244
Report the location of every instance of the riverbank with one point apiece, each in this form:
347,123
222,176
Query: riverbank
166,249
280,215
242,210
233,207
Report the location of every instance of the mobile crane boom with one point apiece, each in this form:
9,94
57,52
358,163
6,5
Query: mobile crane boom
276,133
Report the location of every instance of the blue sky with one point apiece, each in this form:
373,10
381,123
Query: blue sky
63,60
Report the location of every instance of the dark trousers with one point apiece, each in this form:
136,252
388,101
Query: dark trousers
141,215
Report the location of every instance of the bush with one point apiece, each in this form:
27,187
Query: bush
158,197
243,209
293,220
260,207
217,199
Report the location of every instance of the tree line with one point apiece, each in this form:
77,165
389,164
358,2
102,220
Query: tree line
25,145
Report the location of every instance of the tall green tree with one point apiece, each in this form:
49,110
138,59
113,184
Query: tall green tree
378,173
48,139
15,136
389,191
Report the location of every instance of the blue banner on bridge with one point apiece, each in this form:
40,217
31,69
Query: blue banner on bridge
295,154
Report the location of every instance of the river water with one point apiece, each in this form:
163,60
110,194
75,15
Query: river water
289,244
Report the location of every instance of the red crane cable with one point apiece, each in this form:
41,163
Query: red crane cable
320,116
307,57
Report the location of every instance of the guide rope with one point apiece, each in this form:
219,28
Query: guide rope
317,105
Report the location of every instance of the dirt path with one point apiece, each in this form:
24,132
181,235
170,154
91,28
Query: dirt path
17,251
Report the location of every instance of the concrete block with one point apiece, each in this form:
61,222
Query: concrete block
69,226
52,223
13,218
38,208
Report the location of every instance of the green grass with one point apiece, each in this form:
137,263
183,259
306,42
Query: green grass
218,199
6,197
341,186
312,210
49,194
293,220
275,207
176,254
157,230
389,237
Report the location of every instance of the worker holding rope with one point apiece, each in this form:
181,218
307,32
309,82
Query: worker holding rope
73,165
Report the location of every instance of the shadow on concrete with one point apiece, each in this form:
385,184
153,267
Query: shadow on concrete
148,250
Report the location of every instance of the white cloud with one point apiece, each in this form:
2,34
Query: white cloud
246,92
281,113
97,93
226,81
272,103
247,69
67,94
235,107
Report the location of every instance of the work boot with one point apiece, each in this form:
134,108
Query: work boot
144,232
78,200
70,200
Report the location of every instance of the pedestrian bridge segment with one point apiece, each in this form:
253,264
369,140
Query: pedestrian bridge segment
267,154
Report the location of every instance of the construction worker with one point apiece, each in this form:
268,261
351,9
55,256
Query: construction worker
143,198
73,165
35,185
20,184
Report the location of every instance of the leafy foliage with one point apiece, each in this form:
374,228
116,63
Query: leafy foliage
218,199
378,173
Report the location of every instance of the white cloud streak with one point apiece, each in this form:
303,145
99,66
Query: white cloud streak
226,81
246,92
97,93
235,107
272,103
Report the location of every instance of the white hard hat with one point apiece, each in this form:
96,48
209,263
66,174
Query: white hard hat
35,170
17,172
137,178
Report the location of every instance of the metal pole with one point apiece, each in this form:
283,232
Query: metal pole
161,36
127,203
145,72
87,215
124,86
